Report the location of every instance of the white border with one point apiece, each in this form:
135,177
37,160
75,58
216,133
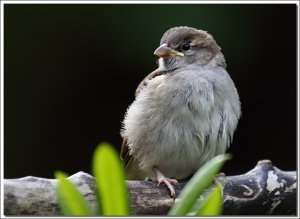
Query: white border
132,2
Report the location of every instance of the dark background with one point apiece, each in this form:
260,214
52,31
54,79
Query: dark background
70,72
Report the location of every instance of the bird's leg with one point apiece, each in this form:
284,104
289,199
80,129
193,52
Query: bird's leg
168,182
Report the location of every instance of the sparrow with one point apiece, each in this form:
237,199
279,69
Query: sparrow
185,112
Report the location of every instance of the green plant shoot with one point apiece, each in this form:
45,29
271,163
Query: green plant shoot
212,203
110,181
197,184
70,200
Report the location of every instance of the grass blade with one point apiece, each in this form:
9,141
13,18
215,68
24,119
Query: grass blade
110,181
70,200
212,204
200,181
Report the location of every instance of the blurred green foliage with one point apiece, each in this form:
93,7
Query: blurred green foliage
196,185
110,181
69,198
212,204
111,191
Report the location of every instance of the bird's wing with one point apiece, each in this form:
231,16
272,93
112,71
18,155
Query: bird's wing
127,159
133,171
125,155
145,81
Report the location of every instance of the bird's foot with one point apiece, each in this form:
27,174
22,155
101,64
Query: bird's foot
167,181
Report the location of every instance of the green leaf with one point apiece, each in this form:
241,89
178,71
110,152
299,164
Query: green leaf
110,181
212,204
200,181
70,200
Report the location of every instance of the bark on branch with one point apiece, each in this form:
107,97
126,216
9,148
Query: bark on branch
265,190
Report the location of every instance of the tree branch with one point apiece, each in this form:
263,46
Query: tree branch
265,190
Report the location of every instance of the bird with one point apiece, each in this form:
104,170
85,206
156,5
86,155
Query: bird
185,112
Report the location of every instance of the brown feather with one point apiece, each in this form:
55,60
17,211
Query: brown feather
125,153
133,171
150,76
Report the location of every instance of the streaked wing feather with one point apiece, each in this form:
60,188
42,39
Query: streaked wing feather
125,153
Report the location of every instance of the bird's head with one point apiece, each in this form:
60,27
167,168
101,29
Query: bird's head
184,46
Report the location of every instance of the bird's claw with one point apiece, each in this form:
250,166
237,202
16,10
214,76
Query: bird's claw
168,182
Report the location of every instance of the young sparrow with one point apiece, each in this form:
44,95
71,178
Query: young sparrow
185,112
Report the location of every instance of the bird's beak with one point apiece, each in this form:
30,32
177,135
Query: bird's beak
166,52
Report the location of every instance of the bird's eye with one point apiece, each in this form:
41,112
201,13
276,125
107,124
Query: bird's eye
186,47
